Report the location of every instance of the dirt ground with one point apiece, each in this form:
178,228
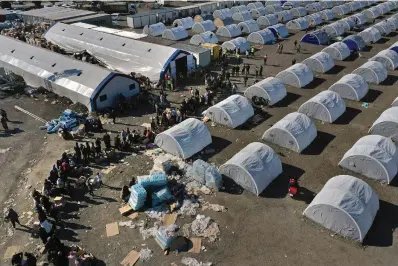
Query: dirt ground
264,230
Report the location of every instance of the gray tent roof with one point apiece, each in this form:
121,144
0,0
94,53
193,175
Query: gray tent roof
361,18
372,71
389,59
338,51
254,167
271,89
373,156
175,33
184,139
154,29
351,86
320,62
387,124
327,14
298,75
372,12
242,16
222,13
187,22
345,205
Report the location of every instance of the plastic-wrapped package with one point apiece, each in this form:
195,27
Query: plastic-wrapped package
137,197
165,235
158,197
206,174
154,180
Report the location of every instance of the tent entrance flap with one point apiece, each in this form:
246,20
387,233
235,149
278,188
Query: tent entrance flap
181,67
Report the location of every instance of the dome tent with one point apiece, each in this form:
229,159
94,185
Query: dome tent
313,7
249,26
279,30
385,27
334,29
184,139
238,9
314,19
359,19
232,112
298,12
253,168
186,23
355,5
338,51
341,10
294,132
272,9
372,71
241,43
320,62
255,5
290,4
372,13
284,16
327,4
394,47
203,17
200,27
327,15
154,29
370,35
349,23
222,13
326,106
394,22
383,8
258,12
229,31
264,36
395,103
298,24
242,16
318,37
267,20
388,58
345,205
270,89
373,156
387,124
298,75
175,34
223,22
354,42
206,37
351,86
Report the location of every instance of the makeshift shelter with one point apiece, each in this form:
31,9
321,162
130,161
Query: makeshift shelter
249,26
206,37
338,51
373,156
223,22
345,205
327,15
175,34
298,75
298,24
253,168
387,124
203,17
279,30
242,16
255,5
92,86
295,132
320,62
229,31
267,20
201,27
313,7
258,12
372,71
351,87
154,29
284,16
231,112
372,13
238,9
326,106
354,42
334,29
388,58
314,19
318,37
385,27
222,13
341,10
270,89
272,9
359,18
298,12
264,36
184,139
393,21
241,43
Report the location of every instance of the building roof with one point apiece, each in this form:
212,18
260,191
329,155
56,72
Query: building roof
57,13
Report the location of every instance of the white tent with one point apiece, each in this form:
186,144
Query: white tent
184,139
279,29
355,5
295,132
385,27
264,36
326,4
267,20
299,12
320,62
349,7
349,23
345,205
253,168
187,22
370,35
284,16
229,31
387,124
389,58
201,27
314,19
254,5
154,29
298,24
338,51
372,156
272,9
384,8
232,112
206,37
175,34
291,4
394,22
238,9
341,10
242,16
270,89
372,13
326,106
248,26
241,43
222,13
372,71
258,12
327,15
334,29
360,19
313,7
298,75
354,42
351,86
395,102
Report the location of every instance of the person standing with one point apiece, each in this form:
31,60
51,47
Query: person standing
13,217
4,123
294,61
98,146
261,71
78,152
107,140
252,51
281,49
298,48
265,58
245,79
278,48
3,113
295,44
256,71
113,115
247,69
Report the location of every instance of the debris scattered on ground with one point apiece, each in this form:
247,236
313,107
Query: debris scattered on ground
203,226
365,105
187,261
112,229
4,150
196,245
131,258
145,254
214,207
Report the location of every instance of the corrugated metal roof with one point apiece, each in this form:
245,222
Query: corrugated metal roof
57,13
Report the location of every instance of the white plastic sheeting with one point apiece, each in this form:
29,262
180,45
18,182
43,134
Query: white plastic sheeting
231,112
351,86
264,36
370,35
254,167
359,18
326,106
334,29
222,13
238,9
345,205
271,89
229,31
387,124
327,15
298,75
284,16
295,132
338,51
206,37
241,43
320,62
372,71
242,16
299,12
267,20
175,34
373,156
184,139
200,27
385,27
187,22
341,10
314,19
248,26
154,29
258,12
372,13
298,24
389,58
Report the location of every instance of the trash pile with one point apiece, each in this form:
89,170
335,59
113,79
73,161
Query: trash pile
68,121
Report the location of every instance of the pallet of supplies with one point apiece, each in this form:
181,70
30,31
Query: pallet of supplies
152,181
137,197
166,235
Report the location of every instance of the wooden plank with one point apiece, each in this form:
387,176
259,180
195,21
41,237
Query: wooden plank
170,219
196,245
11,251
133,215
112,229
125,209
131,258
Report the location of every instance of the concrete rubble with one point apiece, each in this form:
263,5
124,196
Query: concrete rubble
193,262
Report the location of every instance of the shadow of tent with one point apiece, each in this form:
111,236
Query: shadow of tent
305,195
367,48
181,244
390,80
289,99
315,83
336,70
258,118
371,96
218,144
348,116
382,40
319,144
392,34
230,187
